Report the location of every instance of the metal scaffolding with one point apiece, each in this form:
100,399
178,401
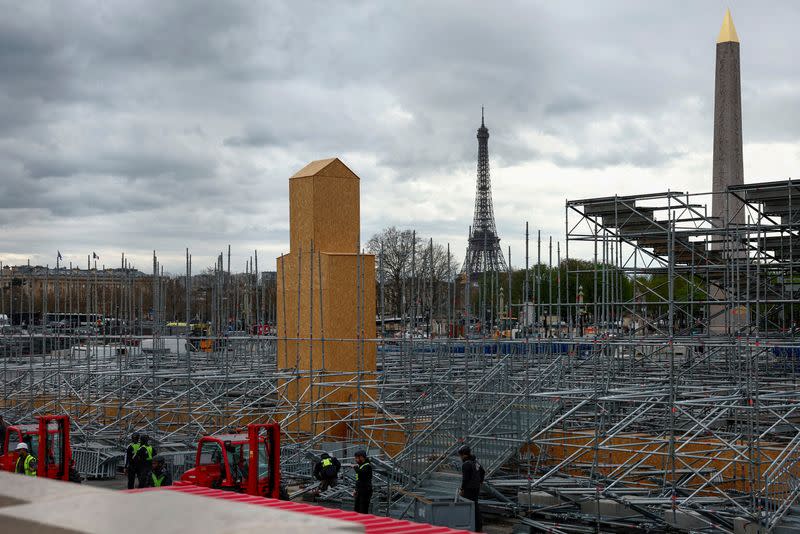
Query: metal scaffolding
668,401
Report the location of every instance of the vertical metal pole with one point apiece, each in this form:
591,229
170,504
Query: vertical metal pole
449,309
413,281
382,295
523,316
430,295
538,278
508,306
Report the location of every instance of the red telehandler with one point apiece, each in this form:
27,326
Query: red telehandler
48,441
247,463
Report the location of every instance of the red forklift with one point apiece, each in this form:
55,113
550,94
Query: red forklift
48,441
246,463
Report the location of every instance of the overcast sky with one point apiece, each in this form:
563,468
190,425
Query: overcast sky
129,126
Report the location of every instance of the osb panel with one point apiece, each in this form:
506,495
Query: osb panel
646,450
313,168
324,208
325,341
333,167
337,169
296,327
336,214
321,409
330,311
347,278
301,211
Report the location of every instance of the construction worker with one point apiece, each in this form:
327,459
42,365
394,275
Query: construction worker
363,492
26,462
131,459
144,461
327,471
472,475
159,476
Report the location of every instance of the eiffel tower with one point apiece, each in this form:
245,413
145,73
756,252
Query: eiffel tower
483,248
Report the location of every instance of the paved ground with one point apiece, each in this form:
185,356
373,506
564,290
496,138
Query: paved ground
502,526
121,483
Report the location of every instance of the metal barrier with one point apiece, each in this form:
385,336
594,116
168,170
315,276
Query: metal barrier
95,460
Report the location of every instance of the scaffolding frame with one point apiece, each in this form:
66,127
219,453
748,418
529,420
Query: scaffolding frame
663,417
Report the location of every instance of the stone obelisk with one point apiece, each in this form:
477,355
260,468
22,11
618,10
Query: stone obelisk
728,166
728,169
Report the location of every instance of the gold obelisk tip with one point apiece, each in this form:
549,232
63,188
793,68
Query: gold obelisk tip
728,32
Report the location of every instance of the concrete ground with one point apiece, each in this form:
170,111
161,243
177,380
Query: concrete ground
500,526
121,483
42,506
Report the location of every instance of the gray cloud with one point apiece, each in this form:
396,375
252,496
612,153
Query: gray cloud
173,125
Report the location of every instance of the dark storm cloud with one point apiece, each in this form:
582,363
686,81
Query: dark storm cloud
32,63
123,164
165,125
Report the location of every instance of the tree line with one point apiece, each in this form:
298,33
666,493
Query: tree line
419,276
415,273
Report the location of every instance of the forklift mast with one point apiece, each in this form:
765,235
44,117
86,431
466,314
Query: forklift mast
264,438
54,455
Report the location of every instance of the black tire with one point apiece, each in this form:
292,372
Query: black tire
74,476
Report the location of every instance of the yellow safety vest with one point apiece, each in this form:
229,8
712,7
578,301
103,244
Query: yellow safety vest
29,471
327,462
359,468
149,450
157,480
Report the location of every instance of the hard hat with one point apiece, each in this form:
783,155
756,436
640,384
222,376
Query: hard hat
22,446
464,449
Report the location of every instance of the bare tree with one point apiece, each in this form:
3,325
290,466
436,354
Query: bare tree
394,249
415,271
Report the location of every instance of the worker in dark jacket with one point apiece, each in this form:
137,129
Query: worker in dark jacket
327,471
131,459
363,493
144,461
159,476
472,474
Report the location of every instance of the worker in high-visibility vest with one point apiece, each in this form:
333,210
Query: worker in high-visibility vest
363,493
159,476
327,471
144,462
26,462
131,459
